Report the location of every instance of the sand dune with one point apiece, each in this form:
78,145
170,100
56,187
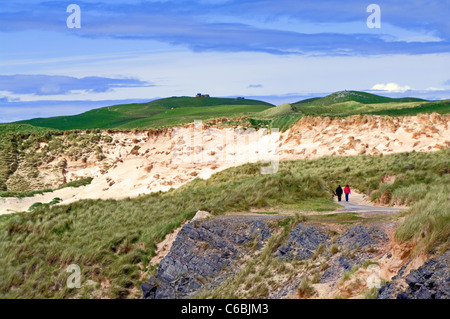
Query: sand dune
144,162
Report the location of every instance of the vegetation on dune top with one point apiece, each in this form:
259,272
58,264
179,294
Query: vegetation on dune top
21,153
77,183
346,103
281,110
442,107
113,241
10,134
355,96
145,115
186,115
12,128
176,111
185,101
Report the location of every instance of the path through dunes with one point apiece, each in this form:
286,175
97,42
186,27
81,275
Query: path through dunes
359,204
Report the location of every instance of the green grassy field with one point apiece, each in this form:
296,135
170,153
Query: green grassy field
164,112
442,107
355,96
391,109
342,104
113,241
281,110
185,115
281,117
177,111
347,103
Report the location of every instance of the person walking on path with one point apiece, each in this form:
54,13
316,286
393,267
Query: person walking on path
339,192
347,191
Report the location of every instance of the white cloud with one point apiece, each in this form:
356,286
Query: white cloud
391,87
434,89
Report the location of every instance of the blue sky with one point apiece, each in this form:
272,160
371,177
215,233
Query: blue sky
279,51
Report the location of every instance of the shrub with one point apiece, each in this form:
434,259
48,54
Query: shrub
428,221
305,290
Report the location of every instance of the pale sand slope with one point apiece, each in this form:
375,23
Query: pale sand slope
156,165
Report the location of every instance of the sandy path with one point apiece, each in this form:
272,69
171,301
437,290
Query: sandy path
9,205
358,203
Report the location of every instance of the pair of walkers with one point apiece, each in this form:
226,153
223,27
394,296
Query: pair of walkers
346,191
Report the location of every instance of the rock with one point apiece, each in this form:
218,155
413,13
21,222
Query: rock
303,242
429,281
361,236
394,287
201,214
201,251
149,288
337,266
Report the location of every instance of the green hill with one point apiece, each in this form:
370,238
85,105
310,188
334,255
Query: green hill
281,110
163,112
281,117
345,103
175,111
308,100
355,96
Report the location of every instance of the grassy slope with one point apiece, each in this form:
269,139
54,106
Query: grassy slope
180,116
140,115
281,110
345,104
393,108
353,102
111,240
22,128
281,117
177,111
442,107
355,96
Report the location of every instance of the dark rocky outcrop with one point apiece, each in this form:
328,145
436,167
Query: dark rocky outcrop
430,281
361,236
303,242
358,244
201,251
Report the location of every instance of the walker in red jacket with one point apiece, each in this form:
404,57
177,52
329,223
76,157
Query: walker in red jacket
347,191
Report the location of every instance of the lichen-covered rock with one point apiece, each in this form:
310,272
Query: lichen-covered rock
361,236
202,249
430,281
337,265
303,242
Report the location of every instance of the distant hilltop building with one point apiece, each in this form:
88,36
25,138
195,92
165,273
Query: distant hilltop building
202,95
240,98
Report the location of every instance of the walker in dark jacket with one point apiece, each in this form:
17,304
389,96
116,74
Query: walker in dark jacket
339,192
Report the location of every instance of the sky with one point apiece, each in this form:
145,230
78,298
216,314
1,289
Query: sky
278,51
